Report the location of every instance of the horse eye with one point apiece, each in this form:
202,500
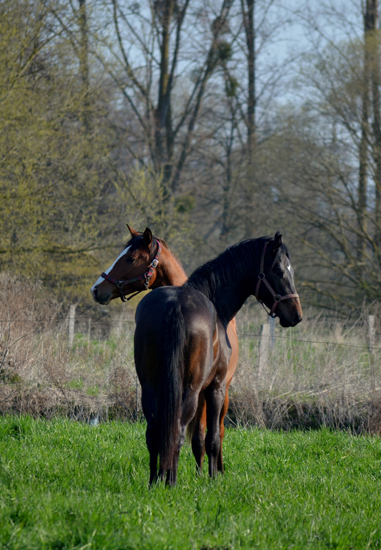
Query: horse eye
130,260
278,272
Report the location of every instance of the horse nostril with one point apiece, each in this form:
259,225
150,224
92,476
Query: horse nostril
95,292
296,319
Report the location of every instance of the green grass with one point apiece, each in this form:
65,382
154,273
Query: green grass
67,485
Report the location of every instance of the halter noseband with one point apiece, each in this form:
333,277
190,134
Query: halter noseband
146,277
262,278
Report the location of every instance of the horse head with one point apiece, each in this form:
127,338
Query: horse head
134,270
275,285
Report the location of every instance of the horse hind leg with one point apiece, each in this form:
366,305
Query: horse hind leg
214,403
170,475
188,410
197,429
153,453
220,463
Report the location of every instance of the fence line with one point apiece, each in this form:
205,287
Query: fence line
51,376
270,335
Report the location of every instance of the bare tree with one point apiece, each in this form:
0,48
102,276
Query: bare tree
333,189
369,21
84,65
158,34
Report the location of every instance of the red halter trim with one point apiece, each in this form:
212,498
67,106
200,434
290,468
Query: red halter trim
262,278
146,277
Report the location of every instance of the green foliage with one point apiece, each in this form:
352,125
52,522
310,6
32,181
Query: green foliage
68,485
75,384
225,51
231,86
185,203
52,171
145,202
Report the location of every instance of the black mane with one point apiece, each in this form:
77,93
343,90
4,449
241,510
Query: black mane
232,268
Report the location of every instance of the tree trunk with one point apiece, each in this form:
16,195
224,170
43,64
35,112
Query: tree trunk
248,18
84,66
251,100
363,152
372,7
163,122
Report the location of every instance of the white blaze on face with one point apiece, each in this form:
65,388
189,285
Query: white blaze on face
101,279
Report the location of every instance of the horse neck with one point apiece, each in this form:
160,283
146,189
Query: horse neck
238,283
170,272
229,300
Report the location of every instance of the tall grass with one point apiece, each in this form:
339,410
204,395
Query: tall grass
319,373
39,373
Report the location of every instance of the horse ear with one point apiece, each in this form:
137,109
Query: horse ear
133,233
277,241
147,237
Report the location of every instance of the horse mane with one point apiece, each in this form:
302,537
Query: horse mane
229,267
164,244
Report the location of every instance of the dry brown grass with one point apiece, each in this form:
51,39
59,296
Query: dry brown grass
41,376
320,373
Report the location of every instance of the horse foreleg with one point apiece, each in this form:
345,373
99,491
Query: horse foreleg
215,396
225,406
188,409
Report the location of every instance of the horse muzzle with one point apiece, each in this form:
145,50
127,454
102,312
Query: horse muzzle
297,318
103,299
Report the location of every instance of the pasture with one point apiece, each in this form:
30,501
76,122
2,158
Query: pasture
67,485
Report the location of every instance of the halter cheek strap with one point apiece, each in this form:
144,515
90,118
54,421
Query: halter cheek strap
146,277
262,279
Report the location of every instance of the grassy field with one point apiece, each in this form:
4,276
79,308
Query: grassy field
69,485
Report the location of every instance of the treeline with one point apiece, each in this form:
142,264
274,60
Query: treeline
210,122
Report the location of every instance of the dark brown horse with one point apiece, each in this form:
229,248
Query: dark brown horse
182,349
181,346
131,269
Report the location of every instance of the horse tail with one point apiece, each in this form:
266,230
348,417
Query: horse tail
171,387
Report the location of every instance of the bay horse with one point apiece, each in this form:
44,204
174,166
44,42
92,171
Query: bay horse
181,346
147,258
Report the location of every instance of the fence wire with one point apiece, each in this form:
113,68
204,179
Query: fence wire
245,334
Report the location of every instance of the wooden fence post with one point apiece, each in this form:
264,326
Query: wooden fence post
71,325
371,319
120,323
264,344
371,338
89,331
272,332
117,322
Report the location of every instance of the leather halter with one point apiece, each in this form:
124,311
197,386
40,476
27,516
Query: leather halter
262,278
146,277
